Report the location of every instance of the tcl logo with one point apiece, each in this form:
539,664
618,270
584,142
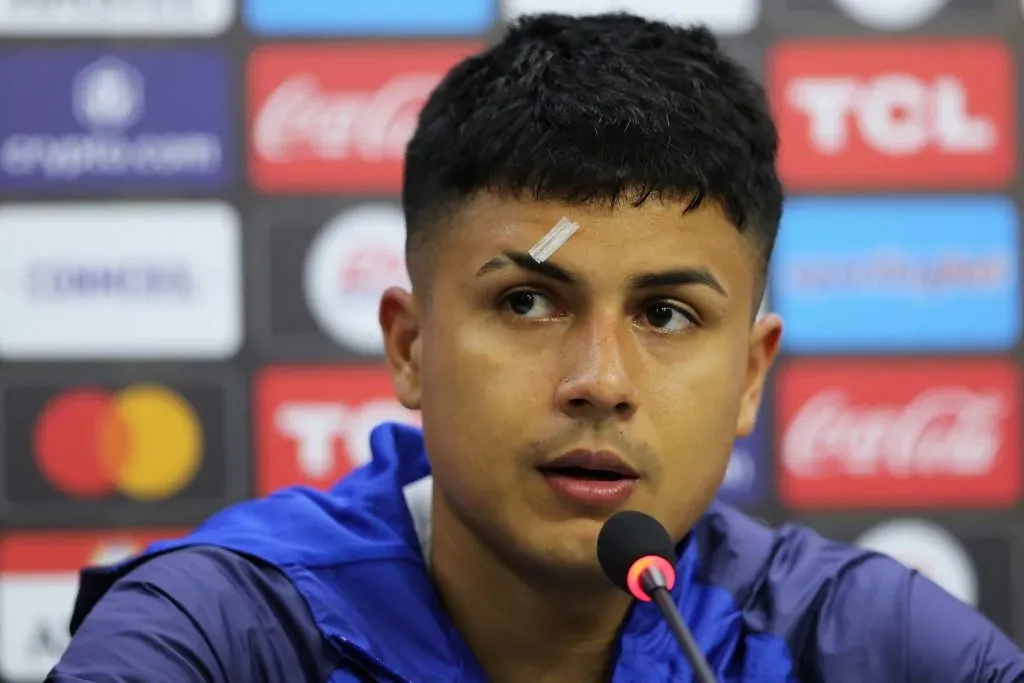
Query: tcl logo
339,118
909,114
313,422
901,434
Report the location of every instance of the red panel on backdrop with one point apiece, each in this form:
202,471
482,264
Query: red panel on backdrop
881,115
338,117
313,422
899,434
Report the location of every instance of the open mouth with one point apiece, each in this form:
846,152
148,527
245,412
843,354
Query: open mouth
585,473
591,479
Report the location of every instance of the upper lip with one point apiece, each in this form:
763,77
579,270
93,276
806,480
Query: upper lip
592,460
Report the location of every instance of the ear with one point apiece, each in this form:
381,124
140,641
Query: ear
400,323
764,347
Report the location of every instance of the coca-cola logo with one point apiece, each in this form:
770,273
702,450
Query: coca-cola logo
942,431
301,119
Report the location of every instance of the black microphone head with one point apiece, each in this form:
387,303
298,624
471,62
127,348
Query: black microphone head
625,538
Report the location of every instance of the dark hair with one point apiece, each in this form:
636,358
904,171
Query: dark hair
608,107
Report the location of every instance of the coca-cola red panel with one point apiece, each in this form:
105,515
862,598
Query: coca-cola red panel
935,433
336,118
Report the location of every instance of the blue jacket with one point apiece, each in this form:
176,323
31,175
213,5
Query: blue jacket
333,587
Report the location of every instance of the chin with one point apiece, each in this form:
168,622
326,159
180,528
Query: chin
566,548
551,546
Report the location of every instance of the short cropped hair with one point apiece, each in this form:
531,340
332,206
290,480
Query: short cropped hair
602,108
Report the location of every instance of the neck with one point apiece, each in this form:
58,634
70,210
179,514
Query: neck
519,627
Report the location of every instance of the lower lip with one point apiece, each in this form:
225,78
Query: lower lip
591,492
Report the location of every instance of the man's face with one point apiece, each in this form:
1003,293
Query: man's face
633,339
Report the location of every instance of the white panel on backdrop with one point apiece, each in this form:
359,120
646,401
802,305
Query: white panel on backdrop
133,280
891,15
34,616
123,18
35,610
721,16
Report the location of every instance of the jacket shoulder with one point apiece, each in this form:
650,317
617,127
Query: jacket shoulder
848,614
782,577
226,611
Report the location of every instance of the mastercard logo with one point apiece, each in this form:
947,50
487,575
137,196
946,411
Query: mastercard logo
144,442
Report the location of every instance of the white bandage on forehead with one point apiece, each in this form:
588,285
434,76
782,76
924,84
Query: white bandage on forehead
555,238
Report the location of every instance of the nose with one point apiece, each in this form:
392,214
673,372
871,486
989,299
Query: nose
598,385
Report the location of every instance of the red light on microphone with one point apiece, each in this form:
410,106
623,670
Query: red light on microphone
643,565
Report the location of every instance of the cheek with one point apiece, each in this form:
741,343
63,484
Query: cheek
484,373
479,398
696,404
696,422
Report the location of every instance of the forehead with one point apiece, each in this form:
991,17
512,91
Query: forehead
613,243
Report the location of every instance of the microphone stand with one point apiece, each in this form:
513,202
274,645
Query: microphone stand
654,584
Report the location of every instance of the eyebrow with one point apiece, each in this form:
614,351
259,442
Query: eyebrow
674,277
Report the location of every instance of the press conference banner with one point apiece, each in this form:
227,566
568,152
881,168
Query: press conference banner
200,206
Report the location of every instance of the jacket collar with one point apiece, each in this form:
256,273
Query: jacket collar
398,485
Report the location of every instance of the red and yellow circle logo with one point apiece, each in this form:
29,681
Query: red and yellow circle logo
144,441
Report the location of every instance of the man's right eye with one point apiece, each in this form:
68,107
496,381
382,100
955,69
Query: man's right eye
526,303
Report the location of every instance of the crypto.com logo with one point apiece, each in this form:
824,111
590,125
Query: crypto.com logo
145,442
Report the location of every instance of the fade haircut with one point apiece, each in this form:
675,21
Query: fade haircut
604,108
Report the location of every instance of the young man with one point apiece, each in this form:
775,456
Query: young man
613,374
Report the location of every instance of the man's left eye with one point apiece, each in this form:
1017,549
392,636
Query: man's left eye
668,318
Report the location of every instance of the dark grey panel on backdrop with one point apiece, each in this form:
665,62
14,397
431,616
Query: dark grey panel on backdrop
316,271
881,17
66,459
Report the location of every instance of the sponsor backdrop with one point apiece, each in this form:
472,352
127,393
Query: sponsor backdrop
199,210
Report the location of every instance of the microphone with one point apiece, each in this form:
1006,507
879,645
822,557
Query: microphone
637,555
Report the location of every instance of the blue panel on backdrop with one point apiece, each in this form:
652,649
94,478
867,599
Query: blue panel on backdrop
378,18
898,273
118,119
